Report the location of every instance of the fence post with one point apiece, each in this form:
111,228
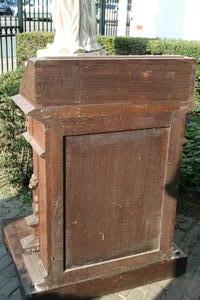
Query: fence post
102,16
20,16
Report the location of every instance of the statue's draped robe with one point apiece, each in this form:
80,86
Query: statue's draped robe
75,25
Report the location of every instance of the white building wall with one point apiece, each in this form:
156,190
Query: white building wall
143,18
191,25
166,19
122,18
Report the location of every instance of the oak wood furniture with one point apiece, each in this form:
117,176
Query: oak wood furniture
107,135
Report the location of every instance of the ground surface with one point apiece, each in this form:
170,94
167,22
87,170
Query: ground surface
186,287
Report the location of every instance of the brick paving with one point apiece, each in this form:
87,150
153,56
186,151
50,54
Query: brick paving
186,287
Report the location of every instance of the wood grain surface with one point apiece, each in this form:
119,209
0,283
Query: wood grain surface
111,131
115,210
50,82
15,229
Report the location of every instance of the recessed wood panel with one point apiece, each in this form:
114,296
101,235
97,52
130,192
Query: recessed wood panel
114,184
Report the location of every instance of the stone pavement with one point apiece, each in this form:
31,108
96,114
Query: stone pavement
186,287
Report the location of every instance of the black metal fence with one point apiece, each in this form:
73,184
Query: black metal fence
8,31
35,15
107,17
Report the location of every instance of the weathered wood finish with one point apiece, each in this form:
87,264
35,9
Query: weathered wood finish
106,225
16,229
107,135
108,80
36,133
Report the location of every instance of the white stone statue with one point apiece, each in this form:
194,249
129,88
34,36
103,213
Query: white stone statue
75,26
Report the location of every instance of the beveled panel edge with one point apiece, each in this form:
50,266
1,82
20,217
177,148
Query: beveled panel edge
24,104
88,110
112,57
36,147
111,267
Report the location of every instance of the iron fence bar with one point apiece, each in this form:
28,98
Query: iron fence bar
20,16
102,16
129,6
38,18
8,30
12,53
47,9
1,47
43,16
1,50
34,15
7,64
27,9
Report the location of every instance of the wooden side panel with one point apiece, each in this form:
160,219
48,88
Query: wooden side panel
114,185
172,179
43,225
37,130
54,190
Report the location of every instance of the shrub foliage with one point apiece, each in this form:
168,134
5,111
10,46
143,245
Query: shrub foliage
15,154
190,164
29,43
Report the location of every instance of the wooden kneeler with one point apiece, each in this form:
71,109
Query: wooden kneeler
107,136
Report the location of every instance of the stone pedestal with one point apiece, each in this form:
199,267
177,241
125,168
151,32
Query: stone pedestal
107,135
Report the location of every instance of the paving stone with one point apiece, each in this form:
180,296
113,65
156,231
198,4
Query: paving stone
10,287
3,251
193,291
186,287
155,292
9,271
136,294
111,297
177,290
145,288
195,251
3,280
184,223
194,257
124,294
165,284
16,295
179,235
5,261
2,297
191,239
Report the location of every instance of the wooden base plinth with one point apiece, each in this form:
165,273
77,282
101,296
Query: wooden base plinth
16,229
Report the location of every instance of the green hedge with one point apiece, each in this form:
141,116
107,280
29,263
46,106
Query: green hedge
190,164
125,46
29,43
15,154
176,47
